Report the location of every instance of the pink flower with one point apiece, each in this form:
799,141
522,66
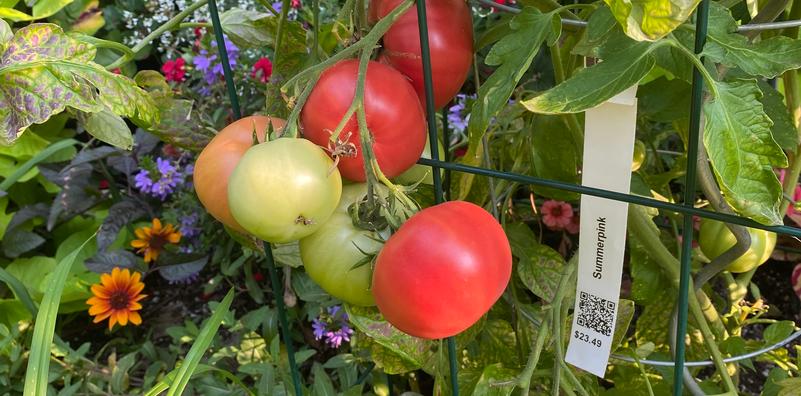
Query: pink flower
296,4
556,214
575,224
795,279
792,212
264,66
174,70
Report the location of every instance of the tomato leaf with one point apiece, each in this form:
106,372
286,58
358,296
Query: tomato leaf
554,156
783,129
539,267
743,152
625,313
651,19
496,380
513,55
412,352
43,71
5,34
594,85
176,125
768,57
777,332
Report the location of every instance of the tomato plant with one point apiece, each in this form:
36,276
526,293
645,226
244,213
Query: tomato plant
442,270
331,255
450,37
218,159
422,173
716,238
283,190
394,117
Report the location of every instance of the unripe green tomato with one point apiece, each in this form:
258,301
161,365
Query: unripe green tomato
716,238
422,172
284,190
639,155
331,252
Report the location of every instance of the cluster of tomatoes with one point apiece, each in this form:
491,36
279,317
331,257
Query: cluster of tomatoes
446,265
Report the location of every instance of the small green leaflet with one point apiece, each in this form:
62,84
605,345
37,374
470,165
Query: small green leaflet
109,128
783,129
246,27
513,55
594,85
43,70
743,152
650,20
5,34
768,58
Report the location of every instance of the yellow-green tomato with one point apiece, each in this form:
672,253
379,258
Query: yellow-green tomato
716,238
330,254
639,155
284,190
422,172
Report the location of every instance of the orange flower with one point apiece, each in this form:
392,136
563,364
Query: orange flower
116,298
151,240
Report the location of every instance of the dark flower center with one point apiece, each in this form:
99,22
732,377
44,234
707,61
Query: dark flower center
557,211
157,241
119,300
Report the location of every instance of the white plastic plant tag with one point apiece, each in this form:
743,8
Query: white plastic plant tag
608,150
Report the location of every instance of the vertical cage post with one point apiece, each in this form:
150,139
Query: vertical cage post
268,252
434,146
689,199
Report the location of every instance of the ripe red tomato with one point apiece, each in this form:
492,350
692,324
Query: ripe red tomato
450,38
442,270
219,158
394,117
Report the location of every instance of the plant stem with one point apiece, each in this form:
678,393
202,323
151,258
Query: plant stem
316,31
279,32
169,25
698,64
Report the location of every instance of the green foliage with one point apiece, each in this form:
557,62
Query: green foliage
44,71
651,19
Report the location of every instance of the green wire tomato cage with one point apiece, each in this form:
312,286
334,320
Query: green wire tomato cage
686,208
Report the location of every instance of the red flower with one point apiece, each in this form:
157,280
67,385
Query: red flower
258,277
460,152
264,66
296,4
117,70
575,225
174,70
103,184
557,214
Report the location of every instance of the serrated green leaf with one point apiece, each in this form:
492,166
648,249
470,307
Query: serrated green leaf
783,129
412,351
743,152
488,384
44,70
109,128
554,156
768,58
599,32
650,20
513,55
539,267
625,312
594,85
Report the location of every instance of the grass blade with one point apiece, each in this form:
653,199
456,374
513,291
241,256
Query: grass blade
164,384
19,290
39,157
39,359
200,346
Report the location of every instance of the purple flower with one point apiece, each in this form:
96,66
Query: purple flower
278,5
319,329
209,64
332,310
189,227
456,121
142,181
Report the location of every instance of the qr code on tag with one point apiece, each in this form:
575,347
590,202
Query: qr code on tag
595,313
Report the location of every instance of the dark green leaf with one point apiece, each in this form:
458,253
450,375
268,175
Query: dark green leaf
182,267
743,152
601,29
119,374
513,55
322,385
783,129
178,127
768,58
664,100
18,242
653,19
43,70
554,156
539,267
594,85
